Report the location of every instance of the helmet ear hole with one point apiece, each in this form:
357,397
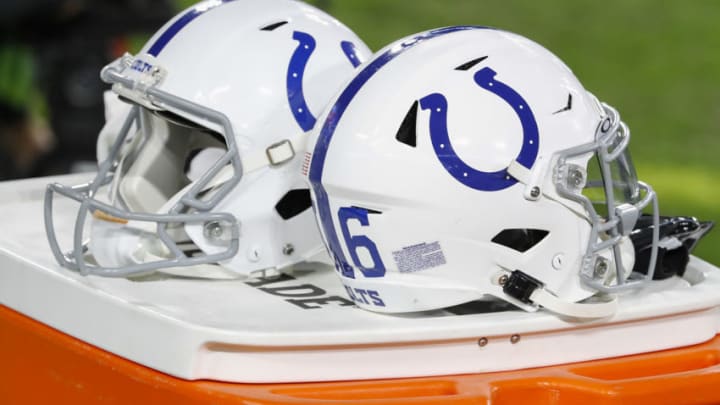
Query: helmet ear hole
293,203
521,240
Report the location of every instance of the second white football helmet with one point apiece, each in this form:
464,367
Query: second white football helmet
467,162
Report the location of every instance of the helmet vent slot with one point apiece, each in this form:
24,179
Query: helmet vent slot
293,203
521,240
406,133
468,65
274,25
568,105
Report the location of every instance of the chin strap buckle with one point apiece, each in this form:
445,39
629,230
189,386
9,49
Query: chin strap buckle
279,153
521,286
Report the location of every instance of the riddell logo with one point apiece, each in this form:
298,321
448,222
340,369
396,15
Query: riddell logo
306,163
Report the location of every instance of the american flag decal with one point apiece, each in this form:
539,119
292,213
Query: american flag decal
306,163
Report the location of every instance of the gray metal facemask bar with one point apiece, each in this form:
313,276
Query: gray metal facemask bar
616,225
84,194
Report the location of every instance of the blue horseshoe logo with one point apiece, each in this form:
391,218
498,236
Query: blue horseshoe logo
296,70
348,49
461,171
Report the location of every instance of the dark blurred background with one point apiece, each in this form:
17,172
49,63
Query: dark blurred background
657,62
51,96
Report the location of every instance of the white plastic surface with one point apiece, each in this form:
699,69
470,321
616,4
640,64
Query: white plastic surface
231,331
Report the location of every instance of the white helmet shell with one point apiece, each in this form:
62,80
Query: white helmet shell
454,166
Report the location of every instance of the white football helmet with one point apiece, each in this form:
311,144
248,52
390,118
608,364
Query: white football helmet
468,162
205,168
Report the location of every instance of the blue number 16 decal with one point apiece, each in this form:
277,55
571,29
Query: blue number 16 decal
345,214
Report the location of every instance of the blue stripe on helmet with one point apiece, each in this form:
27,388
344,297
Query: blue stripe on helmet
180,23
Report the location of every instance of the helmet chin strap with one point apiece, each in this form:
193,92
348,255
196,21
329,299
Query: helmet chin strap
133,244
274,155
526,290
586,310
136,242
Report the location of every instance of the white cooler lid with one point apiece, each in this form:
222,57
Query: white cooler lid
301,327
